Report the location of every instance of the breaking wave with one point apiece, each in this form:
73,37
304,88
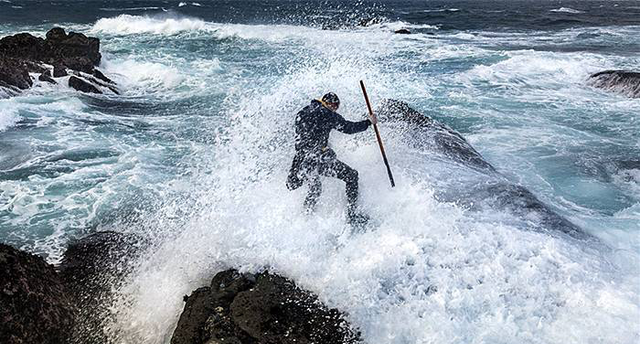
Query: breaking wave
566,10
126,24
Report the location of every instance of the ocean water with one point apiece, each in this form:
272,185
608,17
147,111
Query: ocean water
194,153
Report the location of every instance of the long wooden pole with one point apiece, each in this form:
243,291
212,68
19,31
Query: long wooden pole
374,121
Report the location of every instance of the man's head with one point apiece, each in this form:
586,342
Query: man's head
331,101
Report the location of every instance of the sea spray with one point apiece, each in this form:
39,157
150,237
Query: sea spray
195,153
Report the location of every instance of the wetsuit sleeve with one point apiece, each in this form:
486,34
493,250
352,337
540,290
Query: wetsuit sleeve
348,127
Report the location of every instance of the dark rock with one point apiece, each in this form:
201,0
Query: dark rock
59,71
98,74
35,306
620,81
261,308
23,46
446,140
403,32
23,53
102,83
82,85
74,50
14,73
56,34
495,191
92,268
46,77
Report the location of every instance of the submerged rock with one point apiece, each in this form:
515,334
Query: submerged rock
46,77
620,81
403,32
82,85
98,74
35,306
258,308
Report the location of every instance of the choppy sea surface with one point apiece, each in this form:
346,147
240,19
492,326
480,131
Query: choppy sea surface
194,153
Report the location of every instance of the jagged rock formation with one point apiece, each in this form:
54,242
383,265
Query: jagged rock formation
91,269
620,81
258,308
35,306
59,54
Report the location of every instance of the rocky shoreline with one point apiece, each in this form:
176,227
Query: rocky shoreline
40,303
66,58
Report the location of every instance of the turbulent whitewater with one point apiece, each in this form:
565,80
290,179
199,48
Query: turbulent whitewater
194,153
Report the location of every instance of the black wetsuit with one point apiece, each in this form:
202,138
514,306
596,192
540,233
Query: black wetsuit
314,158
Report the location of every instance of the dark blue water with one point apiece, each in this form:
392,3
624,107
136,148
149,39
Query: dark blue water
446,15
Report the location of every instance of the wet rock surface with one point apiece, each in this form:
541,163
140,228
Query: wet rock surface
82,85
495,191
14,74
621,81
91,269
35,306
46,77
24,53
259,308
445,139
73,50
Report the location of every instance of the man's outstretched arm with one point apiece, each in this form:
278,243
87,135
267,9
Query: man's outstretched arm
348,127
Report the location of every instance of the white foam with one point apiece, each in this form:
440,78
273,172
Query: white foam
544,69
196,4
144,77
127,24
396,25
566,10
124,9
8,114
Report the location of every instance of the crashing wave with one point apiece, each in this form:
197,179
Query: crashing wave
127,24
566,10
8,118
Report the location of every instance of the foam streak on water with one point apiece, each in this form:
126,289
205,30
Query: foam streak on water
194,154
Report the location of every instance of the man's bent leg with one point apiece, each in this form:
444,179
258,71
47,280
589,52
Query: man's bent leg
338,169
315,189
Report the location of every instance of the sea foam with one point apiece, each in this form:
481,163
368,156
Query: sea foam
127,24
8,114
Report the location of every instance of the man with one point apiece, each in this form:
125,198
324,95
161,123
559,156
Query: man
314,158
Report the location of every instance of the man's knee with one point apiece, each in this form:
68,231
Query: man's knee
352,176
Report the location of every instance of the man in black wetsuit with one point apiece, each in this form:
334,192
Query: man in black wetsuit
314,158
